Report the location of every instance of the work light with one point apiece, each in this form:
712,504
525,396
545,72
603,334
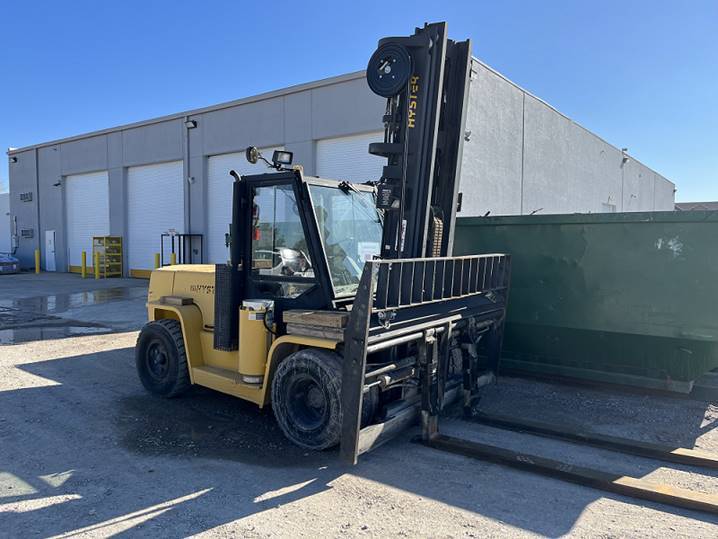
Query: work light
282,158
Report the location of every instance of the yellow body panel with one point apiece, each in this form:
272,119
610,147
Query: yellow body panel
140,274
217,358
212,368
219,380
253,359
195,281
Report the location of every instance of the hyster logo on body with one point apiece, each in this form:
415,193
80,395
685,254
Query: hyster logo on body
202,288
413,99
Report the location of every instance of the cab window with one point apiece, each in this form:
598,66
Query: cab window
280,256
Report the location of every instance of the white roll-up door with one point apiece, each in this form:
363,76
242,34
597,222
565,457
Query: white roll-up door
88,214
155,204
348,158
219,198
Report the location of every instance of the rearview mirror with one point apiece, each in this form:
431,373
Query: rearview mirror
252,154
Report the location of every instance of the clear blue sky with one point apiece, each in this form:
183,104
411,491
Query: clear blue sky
641,74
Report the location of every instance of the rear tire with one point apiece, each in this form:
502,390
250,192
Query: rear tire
161,358
306,398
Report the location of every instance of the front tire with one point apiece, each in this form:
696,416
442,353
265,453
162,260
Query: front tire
161,358
306,398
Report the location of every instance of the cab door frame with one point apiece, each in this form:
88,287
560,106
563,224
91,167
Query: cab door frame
318,296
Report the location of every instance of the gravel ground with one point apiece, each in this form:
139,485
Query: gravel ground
85,451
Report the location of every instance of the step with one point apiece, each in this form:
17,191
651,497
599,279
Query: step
216,373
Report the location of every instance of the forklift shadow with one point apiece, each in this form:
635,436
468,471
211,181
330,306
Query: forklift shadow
85,449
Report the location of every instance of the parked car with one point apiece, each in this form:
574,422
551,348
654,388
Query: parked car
9,264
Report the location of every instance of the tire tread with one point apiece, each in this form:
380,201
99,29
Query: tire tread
330,363
174,330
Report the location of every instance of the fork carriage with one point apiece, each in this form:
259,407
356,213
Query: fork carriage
396,340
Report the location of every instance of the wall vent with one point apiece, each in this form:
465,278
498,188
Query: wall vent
27,233
26,197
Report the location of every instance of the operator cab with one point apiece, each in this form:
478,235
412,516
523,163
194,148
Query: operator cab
305,238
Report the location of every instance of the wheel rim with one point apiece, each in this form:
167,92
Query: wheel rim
157,361
308,405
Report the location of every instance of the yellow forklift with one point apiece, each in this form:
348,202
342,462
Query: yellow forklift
341,305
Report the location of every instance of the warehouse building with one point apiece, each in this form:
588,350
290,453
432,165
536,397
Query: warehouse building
170,174
5,223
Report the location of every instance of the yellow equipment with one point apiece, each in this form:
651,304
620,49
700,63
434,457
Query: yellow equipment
339,304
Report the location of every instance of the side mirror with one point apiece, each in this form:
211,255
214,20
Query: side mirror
252,154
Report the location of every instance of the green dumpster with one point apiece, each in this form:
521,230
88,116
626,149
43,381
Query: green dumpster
628,298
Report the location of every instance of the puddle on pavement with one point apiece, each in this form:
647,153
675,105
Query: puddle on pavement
20,335
206,424
36,318
60,303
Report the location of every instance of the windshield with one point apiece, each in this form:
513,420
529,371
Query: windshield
350,228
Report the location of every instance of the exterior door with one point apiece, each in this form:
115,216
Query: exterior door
155,205
348,158
219,198
88,214
50,250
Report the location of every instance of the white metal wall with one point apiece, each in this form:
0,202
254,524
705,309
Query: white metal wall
155,204
5,223
219,198
347,158
88,213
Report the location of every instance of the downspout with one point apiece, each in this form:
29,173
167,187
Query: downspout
188,180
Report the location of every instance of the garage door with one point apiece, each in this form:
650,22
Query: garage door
348,158
88,214
155,204
219,198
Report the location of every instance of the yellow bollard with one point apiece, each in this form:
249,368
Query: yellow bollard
84,264
173,259
37,261
97,265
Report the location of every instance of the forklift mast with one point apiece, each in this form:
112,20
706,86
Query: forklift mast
417,303
425,79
